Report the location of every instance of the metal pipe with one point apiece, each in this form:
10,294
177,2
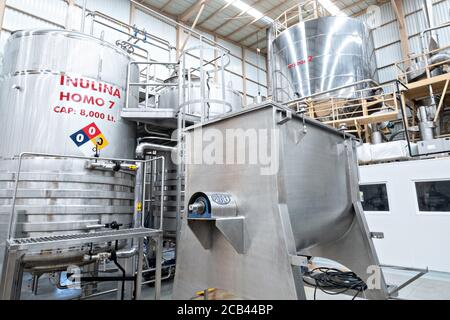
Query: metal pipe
173,22
138,195
163,186
334,89
143,147
194,24
426,125
83,16
422,34
126,253
123,24
377,137
155,132
111,166
270,37
138,287
98,294
156,138
165,278
158,272
440,58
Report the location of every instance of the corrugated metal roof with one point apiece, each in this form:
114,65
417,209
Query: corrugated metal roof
225,20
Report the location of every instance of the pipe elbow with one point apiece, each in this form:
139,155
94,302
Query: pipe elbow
144,147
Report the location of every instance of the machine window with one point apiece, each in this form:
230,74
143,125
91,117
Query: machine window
374,197
433,196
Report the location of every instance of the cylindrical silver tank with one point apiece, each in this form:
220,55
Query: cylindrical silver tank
169,99
319,55
61,93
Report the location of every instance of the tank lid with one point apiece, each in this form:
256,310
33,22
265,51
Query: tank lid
65,33
308,22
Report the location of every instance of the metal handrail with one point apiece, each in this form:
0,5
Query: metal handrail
422,34
176,23
94,14
12,221
185,101
163,177
147,84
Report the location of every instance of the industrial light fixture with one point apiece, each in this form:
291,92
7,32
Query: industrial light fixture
244,7
331,8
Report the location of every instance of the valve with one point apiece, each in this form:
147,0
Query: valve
301,110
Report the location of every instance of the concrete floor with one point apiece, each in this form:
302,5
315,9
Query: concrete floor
432,286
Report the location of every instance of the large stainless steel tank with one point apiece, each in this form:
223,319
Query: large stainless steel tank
61,93
169,99
247,220
319,55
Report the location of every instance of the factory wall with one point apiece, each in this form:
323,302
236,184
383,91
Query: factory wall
387,34
246,71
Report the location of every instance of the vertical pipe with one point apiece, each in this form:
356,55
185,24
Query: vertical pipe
163,185
147,78
269,62
138,195
158,262
127,93
83,16
140,259
222,74
144,191
180,147
244,76
202,82
12,218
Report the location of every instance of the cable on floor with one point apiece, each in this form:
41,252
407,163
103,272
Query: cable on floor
332,281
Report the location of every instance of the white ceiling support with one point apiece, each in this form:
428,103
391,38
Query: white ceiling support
199,5
194,24
213,14
256,19
239,15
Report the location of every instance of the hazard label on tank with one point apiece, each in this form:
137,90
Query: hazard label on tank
90,140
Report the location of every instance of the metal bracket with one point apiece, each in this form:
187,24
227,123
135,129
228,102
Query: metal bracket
284,116
233,229
299,261
393,293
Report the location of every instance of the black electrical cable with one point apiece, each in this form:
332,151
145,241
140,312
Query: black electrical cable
332,281
114,259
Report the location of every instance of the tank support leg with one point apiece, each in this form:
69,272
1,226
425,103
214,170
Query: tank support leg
12,275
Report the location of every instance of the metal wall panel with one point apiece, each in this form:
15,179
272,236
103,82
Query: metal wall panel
253,57
235,50
119,9
442,15
386,39
388,55
387,74
253,88
54,10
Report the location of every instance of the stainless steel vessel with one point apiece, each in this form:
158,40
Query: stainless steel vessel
249,222
319,55
61,93
216,105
